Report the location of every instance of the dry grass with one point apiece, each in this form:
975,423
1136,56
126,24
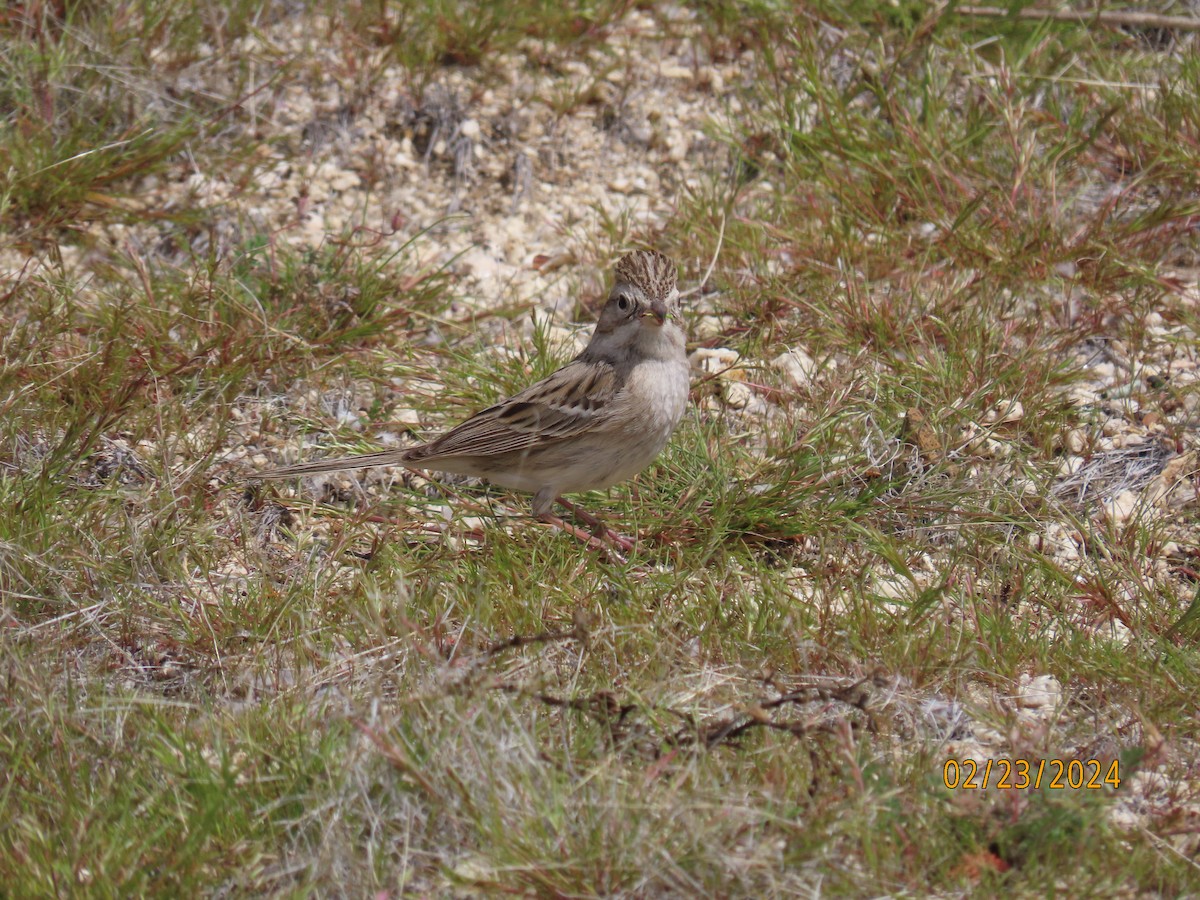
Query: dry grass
958,524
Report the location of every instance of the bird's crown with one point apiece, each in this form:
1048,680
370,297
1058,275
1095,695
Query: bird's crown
648,270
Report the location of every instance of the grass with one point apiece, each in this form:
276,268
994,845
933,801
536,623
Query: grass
966,531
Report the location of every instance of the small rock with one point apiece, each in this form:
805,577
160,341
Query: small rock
724,364
1004,412
1070,465
893,588
1121,441
1042,692
678,146
737,394
717,361
708,326
1117,632
797,365
406,415
480,263
334,178
712,78
1171,486
1120,508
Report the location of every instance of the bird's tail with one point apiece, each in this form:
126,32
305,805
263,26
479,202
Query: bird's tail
320,466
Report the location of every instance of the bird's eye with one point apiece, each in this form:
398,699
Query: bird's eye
623,303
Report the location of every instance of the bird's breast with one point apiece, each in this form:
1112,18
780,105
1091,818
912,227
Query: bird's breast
660,389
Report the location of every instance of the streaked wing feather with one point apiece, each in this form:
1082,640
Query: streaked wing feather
568,403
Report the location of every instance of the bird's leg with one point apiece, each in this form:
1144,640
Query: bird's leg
579,534
543,504
599,529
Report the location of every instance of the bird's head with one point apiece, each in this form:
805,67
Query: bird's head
645,298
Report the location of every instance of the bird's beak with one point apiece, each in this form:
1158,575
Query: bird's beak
658,310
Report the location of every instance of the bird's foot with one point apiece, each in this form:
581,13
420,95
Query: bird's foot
599,529
591,540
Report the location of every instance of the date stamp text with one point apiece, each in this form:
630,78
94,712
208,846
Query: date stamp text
1019,774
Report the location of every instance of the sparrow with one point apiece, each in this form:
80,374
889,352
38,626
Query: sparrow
599,420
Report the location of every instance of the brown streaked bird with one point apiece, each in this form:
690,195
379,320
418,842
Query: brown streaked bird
597,421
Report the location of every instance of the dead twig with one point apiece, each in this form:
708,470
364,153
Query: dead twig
1118,18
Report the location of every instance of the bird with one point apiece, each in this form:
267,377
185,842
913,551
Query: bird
598,421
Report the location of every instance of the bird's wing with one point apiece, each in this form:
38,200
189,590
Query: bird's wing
570,402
